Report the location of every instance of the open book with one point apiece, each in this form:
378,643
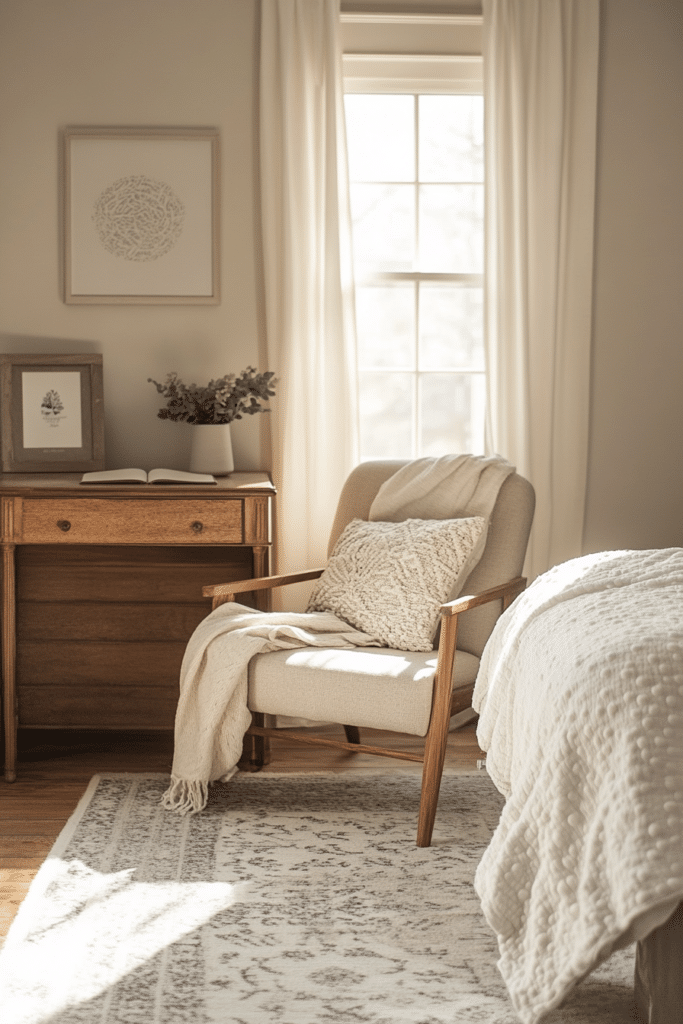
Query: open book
155,476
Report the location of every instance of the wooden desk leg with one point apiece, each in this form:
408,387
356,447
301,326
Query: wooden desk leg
9,643
262,568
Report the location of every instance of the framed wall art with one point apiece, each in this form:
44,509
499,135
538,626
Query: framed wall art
52,416
141,215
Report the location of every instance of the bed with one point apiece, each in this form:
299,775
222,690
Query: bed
580,698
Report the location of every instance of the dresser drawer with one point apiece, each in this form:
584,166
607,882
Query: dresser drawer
126,521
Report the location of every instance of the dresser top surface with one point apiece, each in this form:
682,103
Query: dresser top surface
45,484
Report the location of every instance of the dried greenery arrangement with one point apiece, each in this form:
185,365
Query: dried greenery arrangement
221,401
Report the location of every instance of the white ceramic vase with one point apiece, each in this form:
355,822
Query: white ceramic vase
211,449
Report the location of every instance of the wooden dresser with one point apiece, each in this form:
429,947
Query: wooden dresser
102,587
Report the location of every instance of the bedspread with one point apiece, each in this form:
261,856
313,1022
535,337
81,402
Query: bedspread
580,696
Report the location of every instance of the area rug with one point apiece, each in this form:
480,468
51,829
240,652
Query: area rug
292,899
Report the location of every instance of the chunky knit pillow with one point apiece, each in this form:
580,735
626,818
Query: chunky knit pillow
390,579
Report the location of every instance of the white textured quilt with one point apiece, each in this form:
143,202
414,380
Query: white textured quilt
580,694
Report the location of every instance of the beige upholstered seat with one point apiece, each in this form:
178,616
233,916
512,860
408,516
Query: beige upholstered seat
371,687
407,692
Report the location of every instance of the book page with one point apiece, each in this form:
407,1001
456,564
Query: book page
178,476
115,476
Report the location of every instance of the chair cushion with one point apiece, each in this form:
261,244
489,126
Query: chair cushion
374,687
390,579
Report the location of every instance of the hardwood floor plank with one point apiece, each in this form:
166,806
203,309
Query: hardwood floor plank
16,827
24,863
14,884
21,848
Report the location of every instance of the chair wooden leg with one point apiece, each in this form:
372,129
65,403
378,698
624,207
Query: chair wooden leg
437,736
255,749
435,754
352,733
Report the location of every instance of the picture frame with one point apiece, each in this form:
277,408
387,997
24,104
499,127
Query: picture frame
52,413
141,215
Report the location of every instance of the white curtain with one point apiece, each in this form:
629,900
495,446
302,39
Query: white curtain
540,87
307,271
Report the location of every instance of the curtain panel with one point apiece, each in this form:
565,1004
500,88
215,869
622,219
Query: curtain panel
308,275
540,88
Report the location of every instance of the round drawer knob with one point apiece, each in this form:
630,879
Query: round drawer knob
64,525
197,526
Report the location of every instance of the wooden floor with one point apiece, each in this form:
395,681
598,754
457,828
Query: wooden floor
55,767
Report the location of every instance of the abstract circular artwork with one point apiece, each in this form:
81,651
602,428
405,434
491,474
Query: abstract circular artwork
138,218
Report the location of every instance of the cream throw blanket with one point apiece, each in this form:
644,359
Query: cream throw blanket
431,488
212,714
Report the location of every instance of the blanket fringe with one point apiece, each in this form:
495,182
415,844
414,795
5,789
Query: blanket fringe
185,797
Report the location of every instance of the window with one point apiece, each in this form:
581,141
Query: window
416,169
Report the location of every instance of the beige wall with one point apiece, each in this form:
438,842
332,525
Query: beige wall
128,62
193,62
635,492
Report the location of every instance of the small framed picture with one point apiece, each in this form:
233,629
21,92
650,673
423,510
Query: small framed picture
141,215
52,417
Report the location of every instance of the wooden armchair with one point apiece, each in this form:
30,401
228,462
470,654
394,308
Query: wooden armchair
381,688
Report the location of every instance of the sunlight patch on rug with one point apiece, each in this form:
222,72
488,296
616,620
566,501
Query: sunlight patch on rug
142,919
292,899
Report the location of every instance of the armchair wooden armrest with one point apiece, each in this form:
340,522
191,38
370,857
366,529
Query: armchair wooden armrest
507,591
449,633
221,593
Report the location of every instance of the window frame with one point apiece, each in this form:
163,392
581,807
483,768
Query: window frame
416,74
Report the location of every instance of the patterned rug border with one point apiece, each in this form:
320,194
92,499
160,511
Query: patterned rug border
76,816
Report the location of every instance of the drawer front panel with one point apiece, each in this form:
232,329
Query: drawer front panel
87,621
120,574
111,521
98,685
117,707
